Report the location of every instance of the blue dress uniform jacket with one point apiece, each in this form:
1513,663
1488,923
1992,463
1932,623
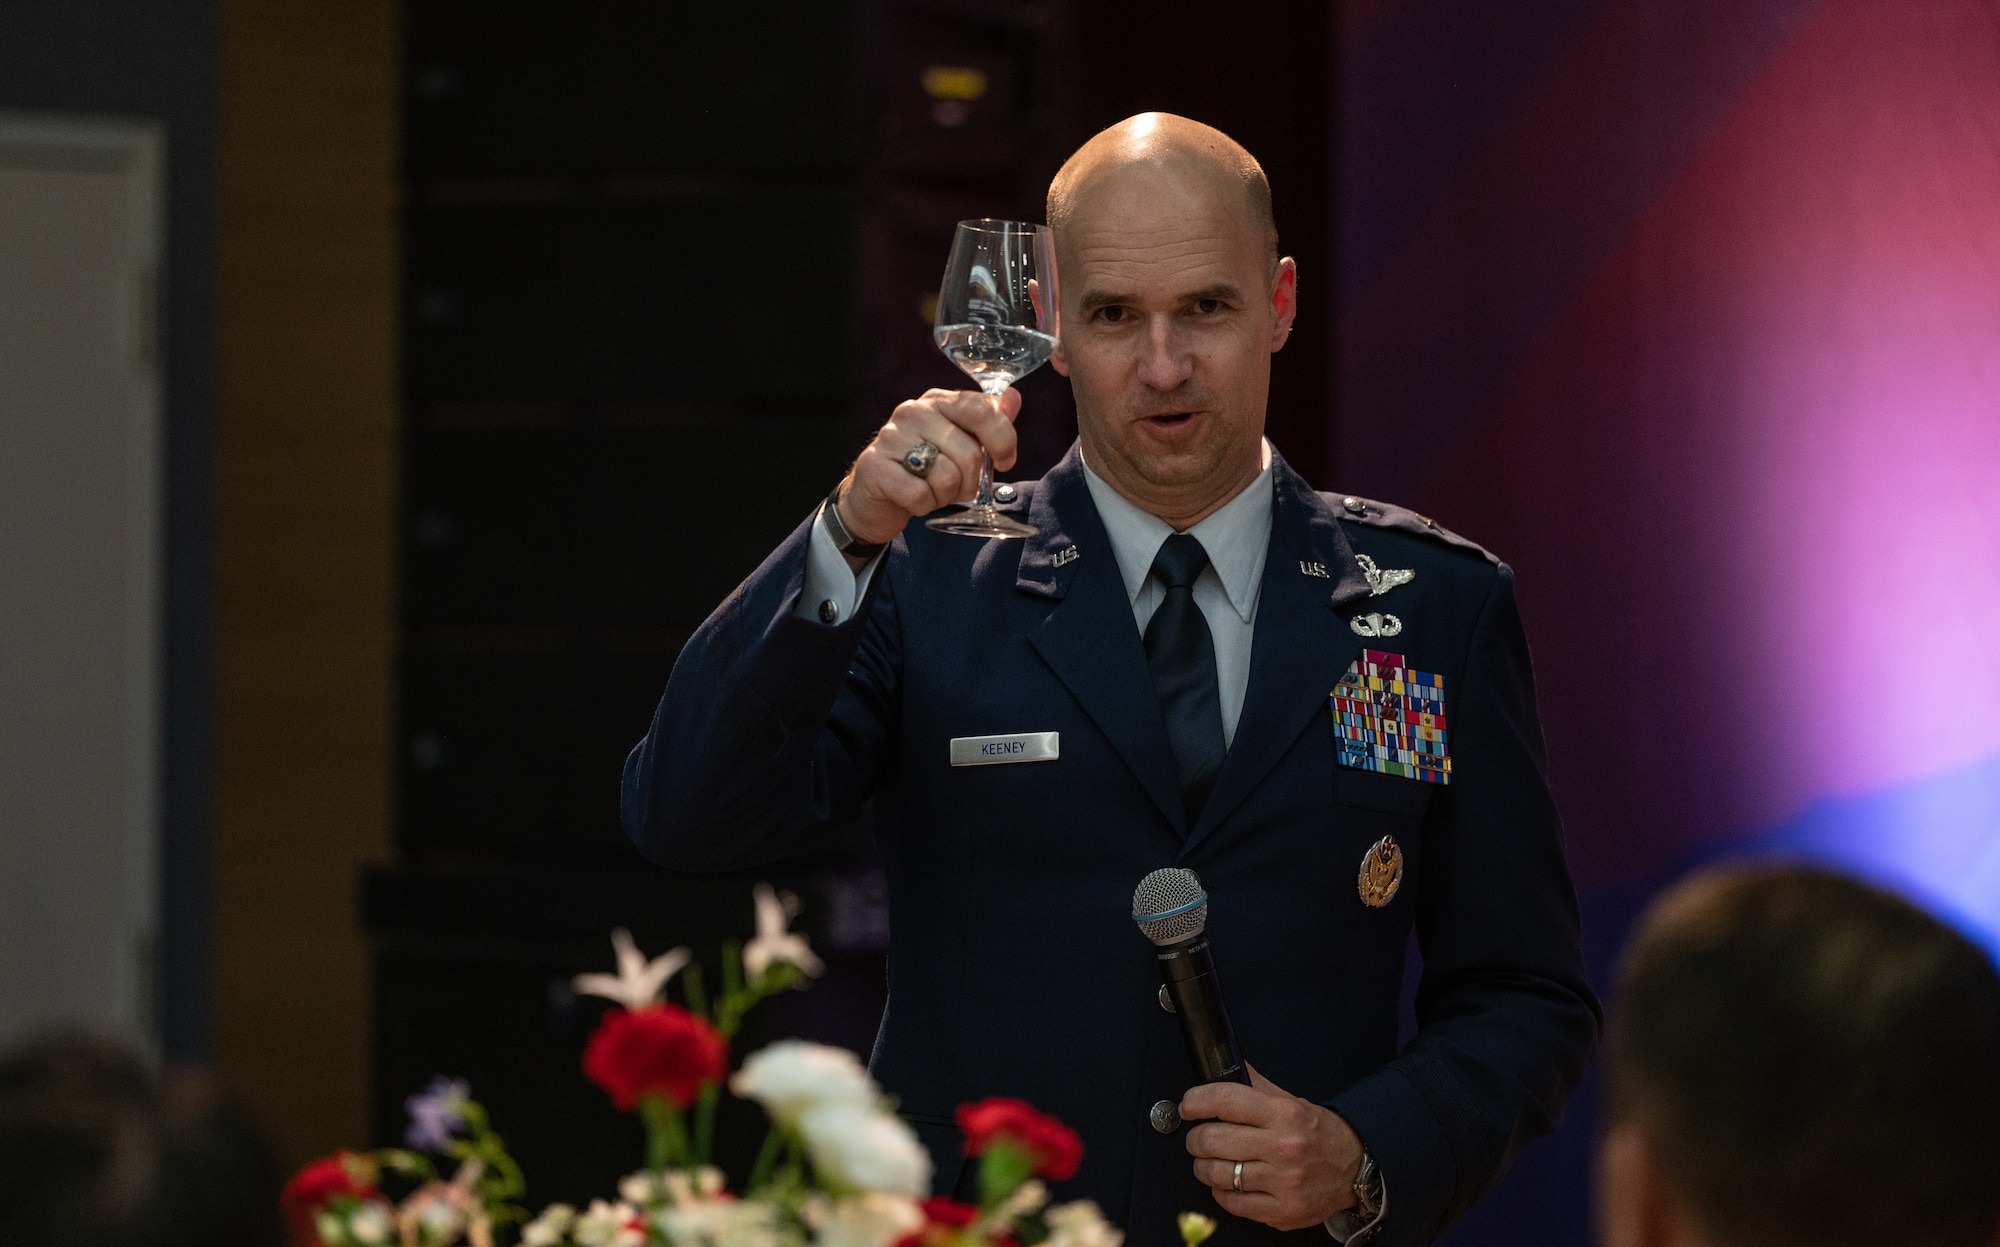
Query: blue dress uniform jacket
1015,968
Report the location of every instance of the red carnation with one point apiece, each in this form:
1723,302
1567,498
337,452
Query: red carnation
312,1188
1054,1147
659,1050
942,1217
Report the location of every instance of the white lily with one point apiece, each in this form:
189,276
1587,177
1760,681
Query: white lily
639,982
774,942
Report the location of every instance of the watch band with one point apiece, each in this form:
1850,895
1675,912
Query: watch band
1367,1188
843,540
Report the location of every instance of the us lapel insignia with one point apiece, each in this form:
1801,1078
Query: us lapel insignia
1390,719
1381,873
1379,581
1314,569
1067,555
1373,624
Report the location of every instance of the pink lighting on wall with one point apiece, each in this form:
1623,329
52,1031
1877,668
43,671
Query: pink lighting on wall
1751,480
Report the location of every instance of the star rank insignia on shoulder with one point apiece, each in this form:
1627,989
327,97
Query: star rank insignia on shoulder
1387,515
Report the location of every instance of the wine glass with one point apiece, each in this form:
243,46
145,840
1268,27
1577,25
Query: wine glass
997,318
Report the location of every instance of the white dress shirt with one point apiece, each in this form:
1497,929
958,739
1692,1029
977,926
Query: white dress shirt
1237,537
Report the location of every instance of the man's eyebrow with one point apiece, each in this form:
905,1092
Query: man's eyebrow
1094,299
1222,292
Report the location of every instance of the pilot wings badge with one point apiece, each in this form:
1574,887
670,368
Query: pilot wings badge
1381,873
1379,581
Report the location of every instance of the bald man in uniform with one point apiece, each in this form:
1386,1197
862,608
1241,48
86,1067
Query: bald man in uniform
1319,703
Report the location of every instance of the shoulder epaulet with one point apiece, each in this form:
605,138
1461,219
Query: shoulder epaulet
1388,515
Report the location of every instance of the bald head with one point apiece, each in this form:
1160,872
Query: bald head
1166,150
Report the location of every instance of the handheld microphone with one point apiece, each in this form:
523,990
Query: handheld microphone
1171,908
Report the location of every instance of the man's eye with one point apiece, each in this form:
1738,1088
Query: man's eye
1208,307
1111,315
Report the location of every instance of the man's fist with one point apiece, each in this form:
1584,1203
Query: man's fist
1299,1159
880,495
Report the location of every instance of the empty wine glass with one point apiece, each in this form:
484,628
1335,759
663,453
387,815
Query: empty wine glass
997,318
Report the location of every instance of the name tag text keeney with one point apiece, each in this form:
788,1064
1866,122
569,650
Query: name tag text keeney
991,750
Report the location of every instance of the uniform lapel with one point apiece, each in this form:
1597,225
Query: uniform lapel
1088,638
1301,643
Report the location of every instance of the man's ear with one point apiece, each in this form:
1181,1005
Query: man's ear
1058,361
1284,301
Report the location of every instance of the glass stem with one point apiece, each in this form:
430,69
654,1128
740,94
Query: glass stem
985,499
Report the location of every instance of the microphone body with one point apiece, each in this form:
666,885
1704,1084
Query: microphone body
1193,986
1171,908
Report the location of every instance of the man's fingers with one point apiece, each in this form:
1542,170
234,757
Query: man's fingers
989,422
1221,1174
1230,1101
1222,1140
955,475
1251,1205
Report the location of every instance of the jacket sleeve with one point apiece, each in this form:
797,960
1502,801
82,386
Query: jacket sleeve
1505,1017
773,726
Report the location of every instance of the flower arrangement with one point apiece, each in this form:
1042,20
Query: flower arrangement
837,1168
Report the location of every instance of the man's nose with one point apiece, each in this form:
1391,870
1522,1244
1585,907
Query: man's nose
1164,359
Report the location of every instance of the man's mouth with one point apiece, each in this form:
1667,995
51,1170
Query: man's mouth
1169,419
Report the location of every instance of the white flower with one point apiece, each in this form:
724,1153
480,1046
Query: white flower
774,942
1081,1225
643,1187
370,1223
862,1148
548,1229
723,1223
639,982
1027,1197
792,1076
605,1224
870,1220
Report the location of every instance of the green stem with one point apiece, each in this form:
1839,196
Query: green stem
666,1138
697,997
767,1158
704,1122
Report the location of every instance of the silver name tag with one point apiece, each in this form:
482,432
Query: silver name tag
987,750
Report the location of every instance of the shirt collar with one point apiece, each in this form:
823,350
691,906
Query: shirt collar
1236,536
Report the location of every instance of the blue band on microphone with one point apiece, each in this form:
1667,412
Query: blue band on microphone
1175,912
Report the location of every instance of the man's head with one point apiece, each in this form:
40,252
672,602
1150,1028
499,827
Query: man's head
1173,300
1797,1059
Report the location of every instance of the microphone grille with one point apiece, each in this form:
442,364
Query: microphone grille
1170,904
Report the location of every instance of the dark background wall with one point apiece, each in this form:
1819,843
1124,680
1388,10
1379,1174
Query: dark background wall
156,60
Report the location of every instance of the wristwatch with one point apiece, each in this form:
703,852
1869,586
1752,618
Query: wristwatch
843,540
1367,1189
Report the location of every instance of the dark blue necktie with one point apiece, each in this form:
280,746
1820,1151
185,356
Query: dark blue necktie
1182,656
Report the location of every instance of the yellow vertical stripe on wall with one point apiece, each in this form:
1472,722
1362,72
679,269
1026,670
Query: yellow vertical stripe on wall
306,471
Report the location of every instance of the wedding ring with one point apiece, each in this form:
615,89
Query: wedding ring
1236,1179
917,460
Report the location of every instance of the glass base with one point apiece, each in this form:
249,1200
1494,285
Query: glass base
978,521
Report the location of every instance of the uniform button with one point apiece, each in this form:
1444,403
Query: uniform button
1355,505
1165,1116
1167,999
1005,493
829,611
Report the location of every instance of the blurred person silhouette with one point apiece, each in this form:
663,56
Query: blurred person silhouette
1797,1058
96,1150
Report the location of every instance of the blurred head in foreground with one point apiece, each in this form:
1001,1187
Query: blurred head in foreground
95,1151
1796,1059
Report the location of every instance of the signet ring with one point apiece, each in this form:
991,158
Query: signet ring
917,460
